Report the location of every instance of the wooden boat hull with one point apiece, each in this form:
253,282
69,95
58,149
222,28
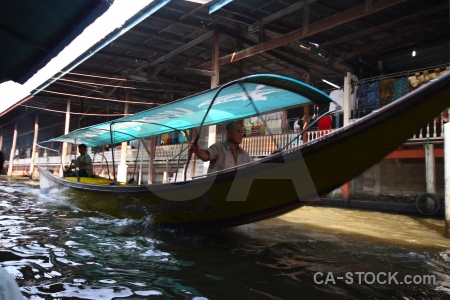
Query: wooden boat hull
345,153
218,201
272,186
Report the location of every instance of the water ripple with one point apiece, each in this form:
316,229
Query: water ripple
56,251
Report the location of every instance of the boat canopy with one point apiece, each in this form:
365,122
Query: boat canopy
243,98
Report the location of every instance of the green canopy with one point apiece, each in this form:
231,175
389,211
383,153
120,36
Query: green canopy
246,97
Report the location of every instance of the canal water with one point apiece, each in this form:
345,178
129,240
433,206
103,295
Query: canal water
55,251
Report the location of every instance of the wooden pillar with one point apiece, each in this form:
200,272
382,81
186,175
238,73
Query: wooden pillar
430,167
377,179
305,122
33,148
215,60
346,187
215,68
192,157
141,157
346,192
447,178
66,131
13,151
214,80
306,109
151,158
347,98
122,170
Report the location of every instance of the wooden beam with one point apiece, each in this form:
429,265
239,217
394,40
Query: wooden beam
387,25
379,43
279,14
306,19
275,54
190,70
324,64
320,26
186,46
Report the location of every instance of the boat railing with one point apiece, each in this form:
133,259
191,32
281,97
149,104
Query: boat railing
169,152
260,146
264,145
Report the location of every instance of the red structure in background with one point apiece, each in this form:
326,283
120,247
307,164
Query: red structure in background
325,123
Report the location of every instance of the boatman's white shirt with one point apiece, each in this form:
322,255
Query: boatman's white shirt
221,157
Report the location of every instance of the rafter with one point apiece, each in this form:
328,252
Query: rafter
378,43
186,46
386,25
279,14
320,26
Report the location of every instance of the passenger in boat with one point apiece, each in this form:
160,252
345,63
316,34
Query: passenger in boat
83,163
226,154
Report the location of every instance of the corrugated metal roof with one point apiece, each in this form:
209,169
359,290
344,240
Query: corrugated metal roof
33,32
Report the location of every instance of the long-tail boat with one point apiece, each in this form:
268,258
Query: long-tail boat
261,189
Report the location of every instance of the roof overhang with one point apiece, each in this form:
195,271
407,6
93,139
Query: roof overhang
34,32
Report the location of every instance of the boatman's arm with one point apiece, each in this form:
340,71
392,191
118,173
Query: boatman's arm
203,154
71,166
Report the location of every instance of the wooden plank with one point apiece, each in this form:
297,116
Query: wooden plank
181,49
279,14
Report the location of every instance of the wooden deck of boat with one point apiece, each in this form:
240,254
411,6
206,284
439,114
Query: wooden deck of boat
91,180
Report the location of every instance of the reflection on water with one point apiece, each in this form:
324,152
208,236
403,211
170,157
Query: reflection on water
58,252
